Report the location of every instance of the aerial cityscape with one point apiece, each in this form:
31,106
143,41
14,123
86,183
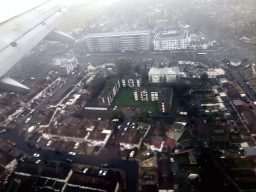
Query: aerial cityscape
137,96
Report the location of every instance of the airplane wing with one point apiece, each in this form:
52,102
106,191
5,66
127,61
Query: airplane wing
20,34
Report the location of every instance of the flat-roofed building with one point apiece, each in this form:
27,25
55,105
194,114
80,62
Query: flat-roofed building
131,80
164,75
109,92
122,41
172,39
163,96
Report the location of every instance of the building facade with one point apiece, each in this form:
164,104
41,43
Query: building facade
123,41
109,92
164,75
131,81
163,96
172,39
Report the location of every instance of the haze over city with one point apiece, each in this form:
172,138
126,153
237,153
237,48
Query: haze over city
128,95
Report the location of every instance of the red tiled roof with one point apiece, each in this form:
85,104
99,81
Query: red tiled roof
69,132
156,143
97,136
169,142
129,139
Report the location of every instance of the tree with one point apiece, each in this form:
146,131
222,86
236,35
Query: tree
137,69
204,77
123,67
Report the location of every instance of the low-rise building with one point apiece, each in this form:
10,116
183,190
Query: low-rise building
163,96
109,92
98,138
130,142
131,80
160,144
65,64
178,126
164,75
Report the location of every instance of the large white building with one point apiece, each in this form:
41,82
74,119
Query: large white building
172,39
123,41
162,75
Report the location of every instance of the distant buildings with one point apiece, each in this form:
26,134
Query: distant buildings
164,75
109,92
163,96
123,41
172,39
131,81
65,64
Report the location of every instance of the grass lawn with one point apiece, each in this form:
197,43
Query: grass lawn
182,159
185,136
125,98
141,133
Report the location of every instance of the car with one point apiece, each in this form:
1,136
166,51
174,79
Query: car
76,145
9,141
69,160
115,108
13,144
72,153
133,127
104,165
114,136
147,177
149,112
132,153
31,144
104,173
123,133
128,108
38,161
3,131
149,154
128,124
36,155
85,170
100,173
49,143
38,148
96,148
119,126
133,108
126,128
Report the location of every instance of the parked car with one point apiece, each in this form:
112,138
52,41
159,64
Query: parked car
104,173
72,153
104,165
9,141
13,144
132,153
49,143
69,160
36,155
128,108
100,172
76,145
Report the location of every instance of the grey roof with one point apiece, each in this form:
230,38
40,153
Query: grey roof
237,102
164,71
129,33
248,116
249,151
132,76
177,125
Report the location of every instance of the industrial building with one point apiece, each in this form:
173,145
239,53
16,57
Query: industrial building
123,41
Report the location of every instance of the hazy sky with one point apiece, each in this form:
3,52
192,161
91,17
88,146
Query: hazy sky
11,8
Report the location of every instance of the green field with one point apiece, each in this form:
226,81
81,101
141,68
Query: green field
125,98
185,136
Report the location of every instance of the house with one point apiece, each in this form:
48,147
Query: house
158,143
143,125
65,134
248,118
131,80
7,161
250,152
165,178
59,174
92,183
70,121
178,126
163,96
130,142
90,68
164,75
109,92
98,138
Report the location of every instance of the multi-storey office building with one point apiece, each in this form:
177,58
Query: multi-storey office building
164,75
109,92
123,41
172,39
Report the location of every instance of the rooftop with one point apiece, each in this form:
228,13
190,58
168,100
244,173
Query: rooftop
164,71
130,139
129,33
248,151
132,76
109,86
